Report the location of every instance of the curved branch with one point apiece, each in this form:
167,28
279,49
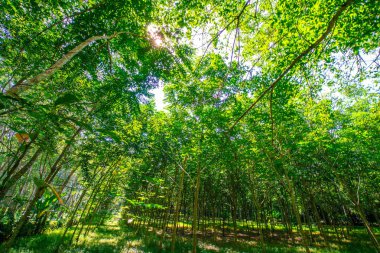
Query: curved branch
27,83
330,27
221,31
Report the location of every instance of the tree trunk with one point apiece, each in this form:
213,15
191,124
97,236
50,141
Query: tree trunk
26,84
13,165
177,206
40,191
195,209
10,181
305,240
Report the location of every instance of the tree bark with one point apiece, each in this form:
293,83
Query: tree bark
10,181
26,84
40,191
195,209
177,206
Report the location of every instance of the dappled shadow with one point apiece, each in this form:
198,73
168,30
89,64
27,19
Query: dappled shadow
123,238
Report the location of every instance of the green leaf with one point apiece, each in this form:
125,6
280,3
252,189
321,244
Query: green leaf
41,183
38,182
66,99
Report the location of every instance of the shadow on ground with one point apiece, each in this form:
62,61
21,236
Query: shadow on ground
124,239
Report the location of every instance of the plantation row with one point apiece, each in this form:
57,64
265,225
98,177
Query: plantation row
269,135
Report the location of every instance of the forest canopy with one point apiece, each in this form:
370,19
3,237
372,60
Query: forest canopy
268,141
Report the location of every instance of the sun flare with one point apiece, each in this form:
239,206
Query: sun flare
155,35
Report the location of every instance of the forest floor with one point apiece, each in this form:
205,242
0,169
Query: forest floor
116,237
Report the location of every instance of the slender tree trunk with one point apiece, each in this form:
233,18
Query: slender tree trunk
368,227
259,220
305,240
10,181
26,84
318,219
177,206
40,191
355,199
96,187
195,209
70,221
13,165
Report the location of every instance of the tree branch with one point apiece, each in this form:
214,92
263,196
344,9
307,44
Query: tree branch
330,27
221,31
27,83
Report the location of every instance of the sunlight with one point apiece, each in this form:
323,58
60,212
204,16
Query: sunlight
159,98
189,126
155,35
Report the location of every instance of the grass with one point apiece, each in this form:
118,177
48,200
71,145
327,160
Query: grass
114,237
